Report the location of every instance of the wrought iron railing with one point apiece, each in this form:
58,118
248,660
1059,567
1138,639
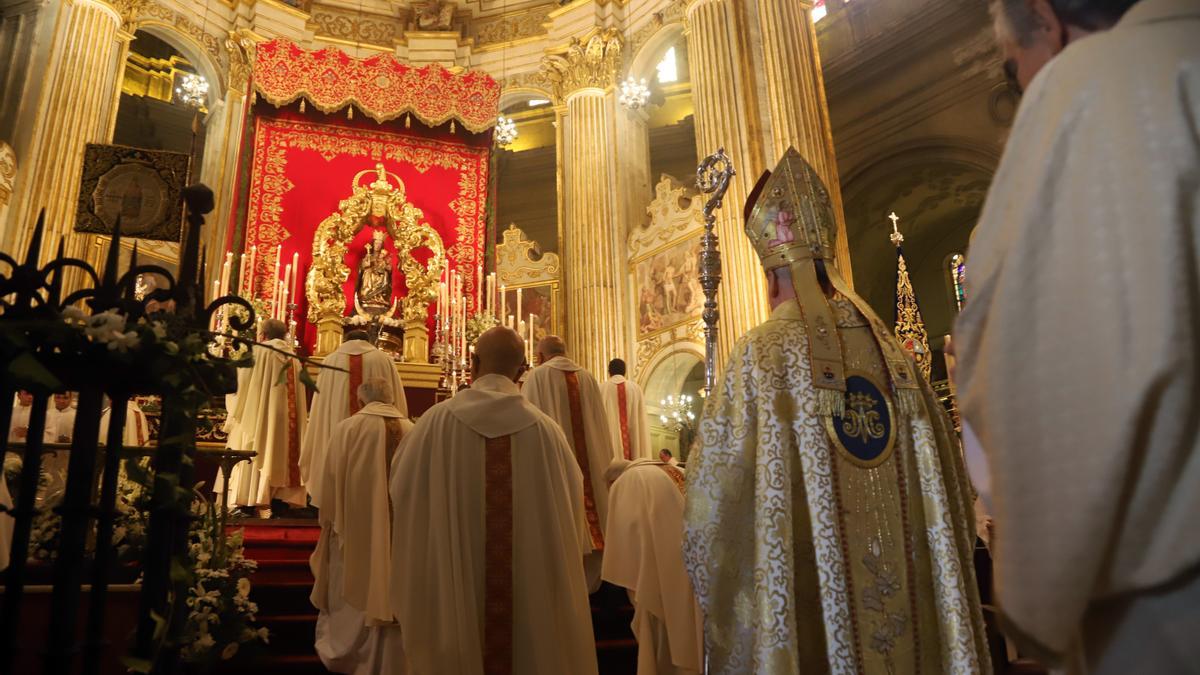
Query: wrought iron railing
103,340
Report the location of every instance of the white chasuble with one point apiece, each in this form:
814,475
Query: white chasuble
270,416
336,398
626,411
643,554
571,397
1078,366
836,544
469,462
356,629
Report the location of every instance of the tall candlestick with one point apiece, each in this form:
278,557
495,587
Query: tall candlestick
212,323
519,314
226,270
479,289
241,273
503,302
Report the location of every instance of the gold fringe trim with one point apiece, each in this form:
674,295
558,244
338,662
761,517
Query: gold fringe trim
831,403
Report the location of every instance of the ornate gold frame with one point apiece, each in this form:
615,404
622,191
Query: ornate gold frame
329,271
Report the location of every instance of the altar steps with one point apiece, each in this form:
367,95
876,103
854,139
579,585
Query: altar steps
283,581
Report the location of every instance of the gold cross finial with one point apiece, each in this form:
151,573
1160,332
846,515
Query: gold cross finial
896,237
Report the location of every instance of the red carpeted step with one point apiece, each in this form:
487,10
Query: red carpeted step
272,571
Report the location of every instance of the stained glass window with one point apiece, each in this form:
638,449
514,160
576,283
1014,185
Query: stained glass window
957,268
819,10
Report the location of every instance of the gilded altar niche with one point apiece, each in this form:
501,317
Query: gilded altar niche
381,205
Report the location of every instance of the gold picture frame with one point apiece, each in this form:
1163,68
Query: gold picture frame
142,187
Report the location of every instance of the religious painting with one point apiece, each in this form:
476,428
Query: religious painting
142,188
668,291
540,300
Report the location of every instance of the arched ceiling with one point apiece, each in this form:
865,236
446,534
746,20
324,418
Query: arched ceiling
938,202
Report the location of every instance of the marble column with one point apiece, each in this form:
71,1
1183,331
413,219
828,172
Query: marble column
724,96
795,96
76,107
581,77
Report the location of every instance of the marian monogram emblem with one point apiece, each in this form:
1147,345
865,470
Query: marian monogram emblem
865,432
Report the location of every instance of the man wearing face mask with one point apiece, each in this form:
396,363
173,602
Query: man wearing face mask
1077,351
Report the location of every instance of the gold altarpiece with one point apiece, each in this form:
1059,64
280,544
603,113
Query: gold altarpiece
383,206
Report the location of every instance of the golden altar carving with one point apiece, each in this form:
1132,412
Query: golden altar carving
380,204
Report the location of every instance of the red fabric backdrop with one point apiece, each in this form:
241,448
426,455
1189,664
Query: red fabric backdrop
303,165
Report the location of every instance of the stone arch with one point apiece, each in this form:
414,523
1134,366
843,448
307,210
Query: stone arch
936,186
196,54
647,54
668,372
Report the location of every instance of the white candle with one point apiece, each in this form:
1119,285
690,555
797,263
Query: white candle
503,305
295,276
479,289
226,270
241,273
519,314
275,276
212,323
249,279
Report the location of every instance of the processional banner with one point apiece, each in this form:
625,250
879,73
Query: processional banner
302,168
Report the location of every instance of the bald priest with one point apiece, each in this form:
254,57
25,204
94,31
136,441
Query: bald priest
489,532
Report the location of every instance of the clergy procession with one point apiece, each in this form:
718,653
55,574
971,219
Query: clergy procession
349,342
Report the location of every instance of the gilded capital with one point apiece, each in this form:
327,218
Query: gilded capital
583,64
8,172
129,11
240,47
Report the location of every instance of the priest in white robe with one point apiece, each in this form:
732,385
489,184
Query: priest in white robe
137,428
626,411
357,630
271,416
1077,347
489,532
18,428
570,396
644,555
353,363
60,418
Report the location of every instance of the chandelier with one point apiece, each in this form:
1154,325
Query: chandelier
677,411
192,90
506,131
634,93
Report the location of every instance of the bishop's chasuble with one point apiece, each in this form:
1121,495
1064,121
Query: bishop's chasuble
269,419
570,396
489,538
828,525
626,410
354,362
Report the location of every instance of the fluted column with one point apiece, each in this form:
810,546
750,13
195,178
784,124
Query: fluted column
582,79
795,96
724,98
76,107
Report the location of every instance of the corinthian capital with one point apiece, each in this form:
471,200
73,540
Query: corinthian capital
583,64
130,11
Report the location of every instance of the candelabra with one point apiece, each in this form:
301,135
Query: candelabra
505,132
634,93
192,90
712,177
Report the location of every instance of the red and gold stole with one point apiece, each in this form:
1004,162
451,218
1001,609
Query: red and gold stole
624,420
579,439
498,557
676,477
138,419
356,380
293,432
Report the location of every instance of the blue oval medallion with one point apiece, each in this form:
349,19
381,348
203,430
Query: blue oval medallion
866,431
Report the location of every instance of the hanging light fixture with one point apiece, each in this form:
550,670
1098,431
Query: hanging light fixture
677,411
192,90
505,132
634,93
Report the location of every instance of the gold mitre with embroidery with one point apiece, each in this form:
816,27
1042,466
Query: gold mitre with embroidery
789,216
